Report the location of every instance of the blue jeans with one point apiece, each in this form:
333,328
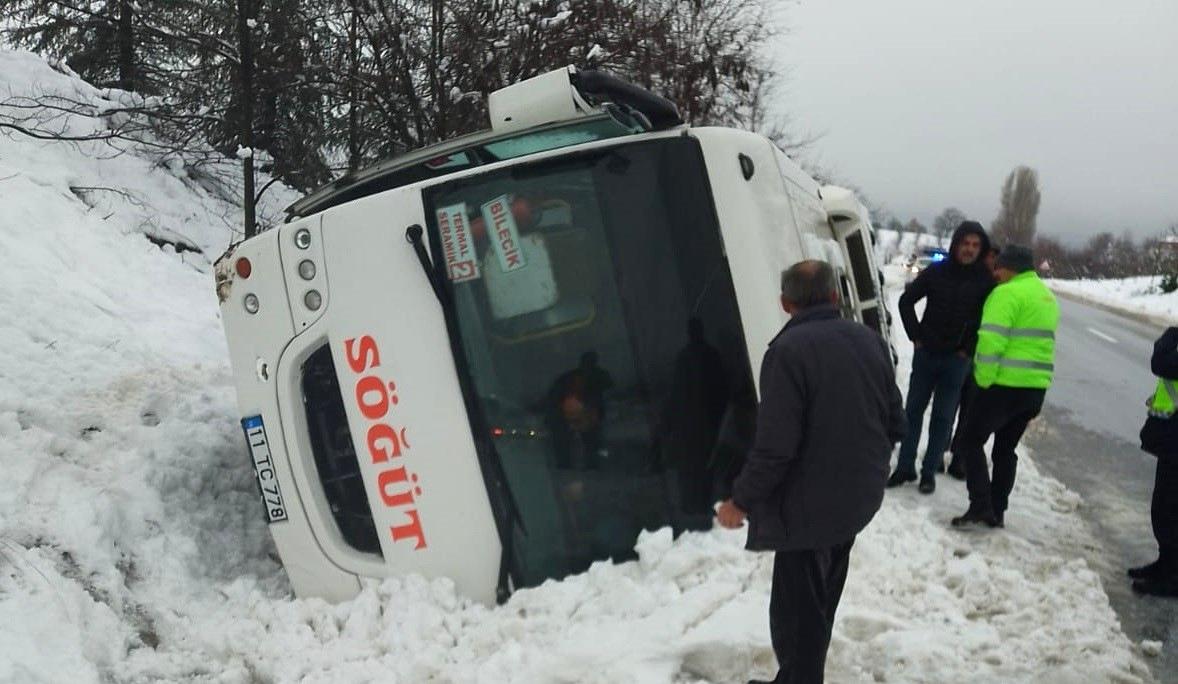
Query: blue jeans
936,375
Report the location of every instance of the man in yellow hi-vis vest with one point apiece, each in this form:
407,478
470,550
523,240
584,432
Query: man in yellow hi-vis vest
1159,436
1013,367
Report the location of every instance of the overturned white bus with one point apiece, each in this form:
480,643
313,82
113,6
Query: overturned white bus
498,358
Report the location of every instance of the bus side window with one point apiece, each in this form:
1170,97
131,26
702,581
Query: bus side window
846,300
861,266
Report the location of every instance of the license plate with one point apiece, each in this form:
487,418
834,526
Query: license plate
255,436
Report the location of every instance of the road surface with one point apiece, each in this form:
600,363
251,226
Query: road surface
1087,439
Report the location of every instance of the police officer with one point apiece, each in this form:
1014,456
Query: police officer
1013,368
1159,436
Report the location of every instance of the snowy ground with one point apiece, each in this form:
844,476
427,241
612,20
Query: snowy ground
1139,295
131,549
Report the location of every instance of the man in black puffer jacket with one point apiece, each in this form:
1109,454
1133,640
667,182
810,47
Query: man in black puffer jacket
954,291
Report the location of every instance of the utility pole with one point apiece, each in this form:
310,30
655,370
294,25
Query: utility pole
246,71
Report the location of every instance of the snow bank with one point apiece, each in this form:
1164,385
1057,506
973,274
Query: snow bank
190,201
132,548
1140,295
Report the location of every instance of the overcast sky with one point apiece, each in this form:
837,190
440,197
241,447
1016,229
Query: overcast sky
926,104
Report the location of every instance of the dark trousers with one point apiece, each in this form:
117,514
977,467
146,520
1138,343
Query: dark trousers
807,586
935,375
969,390
1003,412
1164,510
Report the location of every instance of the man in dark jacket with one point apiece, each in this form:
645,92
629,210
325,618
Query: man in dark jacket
1159,436
830,413
954,291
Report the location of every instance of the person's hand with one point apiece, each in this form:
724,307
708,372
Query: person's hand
962,353
917,344
729,515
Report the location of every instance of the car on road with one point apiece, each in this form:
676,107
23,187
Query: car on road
928,256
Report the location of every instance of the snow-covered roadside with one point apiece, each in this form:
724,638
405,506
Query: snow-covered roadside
1139,295
131,548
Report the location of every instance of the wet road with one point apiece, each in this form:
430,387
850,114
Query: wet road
1087,439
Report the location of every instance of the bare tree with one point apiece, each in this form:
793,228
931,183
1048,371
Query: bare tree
1097,255
1105,255
1020,207
1166,263
304,89
103,40
403,74
947,222
1126,257
1058,257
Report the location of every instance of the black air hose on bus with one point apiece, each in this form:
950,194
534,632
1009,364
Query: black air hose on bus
661,112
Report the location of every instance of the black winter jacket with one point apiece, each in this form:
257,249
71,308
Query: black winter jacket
830,413
954,295
1159,436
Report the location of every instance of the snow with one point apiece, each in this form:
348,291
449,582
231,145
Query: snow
891,245
1139,295
132,548
557,19
192,204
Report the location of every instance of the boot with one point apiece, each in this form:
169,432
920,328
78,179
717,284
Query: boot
898,478
1165,566
1147,571
1165,586
928,484
956,468
975,516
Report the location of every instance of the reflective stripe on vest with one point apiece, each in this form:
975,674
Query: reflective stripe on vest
1166,396
1015,363
1018,332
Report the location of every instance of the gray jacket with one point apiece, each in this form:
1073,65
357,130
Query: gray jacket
830,413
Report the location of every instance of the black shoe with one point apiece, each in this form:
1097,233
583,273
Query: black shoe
1148,571
956,469
898,478
1157,586
928,484
941,466
999,520
976,517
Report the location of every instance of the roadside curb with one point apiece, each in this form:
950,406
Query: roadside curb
1138,316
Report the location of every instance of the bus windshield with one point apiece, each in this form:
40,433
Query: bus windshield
596,314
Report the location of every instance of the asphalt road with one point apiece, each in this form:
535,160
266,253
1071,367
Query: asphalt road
1087,439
